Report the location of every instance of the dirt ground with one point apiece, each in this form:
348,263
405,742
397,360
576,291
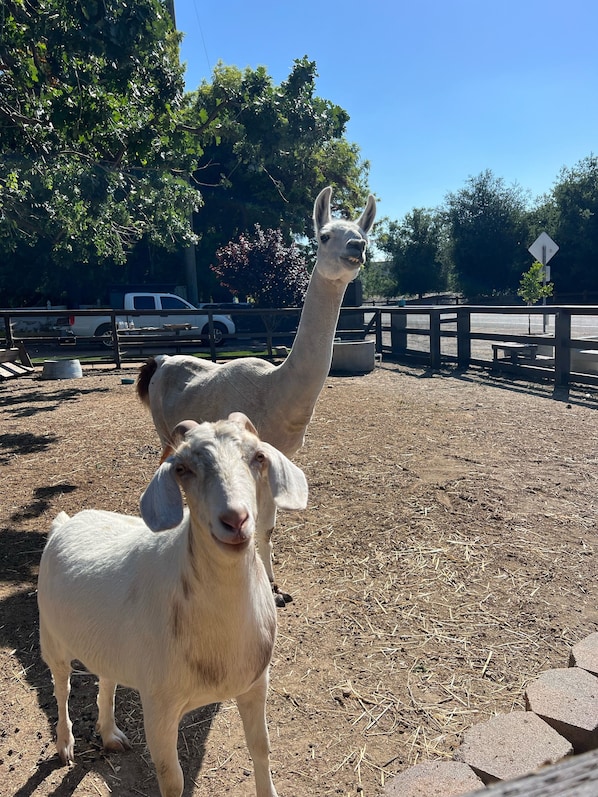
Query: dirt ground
446,557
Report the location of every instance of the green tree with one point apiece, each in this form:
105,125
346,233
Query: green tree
378,280
414,249
91,156
532,287
265,150
487,225
575,205
263,269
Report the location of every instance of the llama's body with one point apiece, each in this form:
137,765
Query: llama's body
279,400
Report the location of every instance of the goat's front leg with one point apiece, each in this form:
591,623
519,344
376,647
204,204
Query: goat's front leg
112,736
266,522
252,708
161,722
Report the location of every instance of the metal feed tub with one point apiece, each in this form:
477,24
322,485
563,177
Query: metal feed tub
61,369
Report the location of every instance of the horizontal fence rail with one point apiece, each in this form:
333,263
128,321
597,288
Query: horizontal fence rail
558,343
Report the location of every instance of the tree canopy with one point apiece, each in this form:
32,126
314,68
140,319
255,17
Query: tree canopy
108,170
104,158
262,268
92,159
414,249
575,200
487,229
265,152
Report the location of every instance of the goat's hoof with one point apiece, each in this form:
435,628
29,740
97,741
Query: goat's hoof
66,753
281,598
116,742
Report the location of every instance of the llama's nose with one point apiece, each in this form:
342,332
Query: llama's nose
356,243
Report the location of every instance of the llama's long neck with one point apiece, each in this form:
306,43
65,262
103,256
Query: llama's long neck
312,348
302,375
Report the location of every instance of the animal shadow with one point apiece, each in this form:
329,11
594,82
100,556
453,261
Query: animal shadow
124,773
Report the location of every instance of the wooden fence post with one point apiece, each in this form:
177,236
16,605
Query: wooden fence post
463,337
8,332
378,318
562,348
435,356
398,336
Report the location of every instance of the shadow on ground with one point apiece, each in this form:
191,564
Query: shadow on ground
19,559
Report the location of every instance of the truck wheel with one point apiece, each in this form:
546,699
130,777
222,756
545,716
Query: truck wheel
220,332
104,331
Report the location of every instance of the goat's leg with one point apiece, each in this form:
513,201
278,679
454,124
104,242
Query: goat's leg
252,708
161,722
263,533
65,741
112,737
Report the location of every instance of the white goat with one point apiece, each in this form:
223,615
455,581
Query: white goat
185,617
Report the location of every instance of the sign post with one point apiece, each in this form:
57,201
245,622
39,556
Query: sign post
543,249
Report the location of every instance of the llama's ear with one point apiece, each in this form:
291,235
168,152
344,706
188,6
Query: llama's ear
366,220
322,208
161,504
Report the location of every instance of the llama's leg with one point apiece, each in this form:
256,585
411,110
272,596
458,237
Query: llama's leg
112,737
252,708
265,527
161,723
65,741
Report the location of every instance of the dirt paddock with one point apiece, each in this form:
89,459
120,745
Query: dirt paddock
446,557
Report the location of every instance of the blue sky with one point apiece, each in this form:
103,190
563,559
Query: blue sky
437,90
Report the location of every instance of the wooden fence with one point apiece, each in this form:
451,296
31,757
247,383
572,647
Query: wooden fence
563,346
558,343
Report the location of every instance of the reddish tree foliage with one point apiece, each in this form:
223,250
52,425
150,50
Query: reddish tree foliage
263,268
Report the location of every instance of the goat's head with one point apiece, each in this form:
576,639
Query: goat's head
222,468
341,243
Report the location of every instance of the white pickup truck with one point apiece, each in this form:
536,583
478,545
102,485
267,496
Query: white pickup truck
157,317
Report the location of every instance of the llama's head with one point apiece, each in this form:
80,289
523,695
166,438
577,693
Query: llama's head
341,243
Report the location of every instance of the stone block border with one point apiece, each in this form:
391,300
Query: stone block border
561,720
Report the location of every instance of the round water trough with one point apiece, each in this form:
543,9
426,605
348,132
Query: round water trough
61,369
353,356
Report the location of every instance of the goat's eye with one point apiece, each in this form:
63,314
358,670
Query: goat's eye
324,237
259,457
181,470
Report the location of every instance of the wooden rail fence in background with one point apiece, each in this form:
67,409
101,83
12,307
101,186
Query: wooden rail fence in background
563,347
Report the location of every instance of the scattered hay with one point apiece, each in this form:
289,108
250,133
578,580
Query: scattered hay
446,557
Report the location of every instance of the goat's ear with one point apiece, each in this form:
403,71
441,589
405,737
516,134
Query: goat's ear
287,482
322,208
366,220
162,503
177,436
243,421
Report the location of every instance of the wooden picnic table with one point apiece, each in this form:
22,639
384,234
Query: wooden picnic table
9,367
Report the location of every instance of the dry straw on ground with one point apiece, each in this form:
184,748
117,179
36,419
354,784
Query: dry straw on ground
446,557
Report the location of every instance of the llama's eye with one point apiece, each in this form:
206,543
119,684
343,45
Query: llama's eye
324,237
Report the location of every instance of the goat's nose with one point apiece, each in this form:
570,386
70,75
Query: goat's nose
234,519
